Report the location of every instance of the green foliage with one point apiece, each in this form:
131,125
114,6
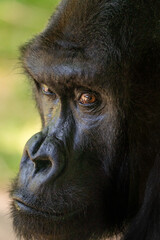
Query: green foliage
19,21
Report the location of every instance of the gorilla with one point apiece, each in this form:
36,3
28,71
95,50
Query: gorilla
93,171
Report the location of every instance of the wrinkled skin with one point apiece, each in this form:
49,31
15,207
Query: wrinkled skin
93,170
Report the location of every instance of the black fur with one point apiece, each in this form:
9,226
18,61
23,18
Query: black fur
93,170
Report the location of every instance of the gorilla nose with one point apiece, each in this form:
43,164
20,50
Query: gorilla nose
42,164
41,152
47,155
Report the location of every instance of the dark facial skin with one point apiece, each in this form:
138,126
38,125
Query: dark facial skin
92,171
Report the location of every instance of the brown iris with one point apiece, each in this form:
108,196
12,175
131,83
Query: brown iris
47,91
87,98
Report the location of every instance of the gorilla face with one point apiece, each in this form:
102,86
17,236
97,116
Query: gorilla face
61,189
79,177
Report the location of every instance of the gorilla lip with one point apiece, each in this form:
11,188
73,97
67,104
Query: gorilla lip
24,207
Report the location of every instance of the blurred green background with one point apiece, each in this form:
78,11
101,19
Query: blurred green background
20,20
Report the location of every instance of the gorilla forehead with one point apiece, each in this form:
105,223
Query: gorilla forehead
92,26
61,65
80,42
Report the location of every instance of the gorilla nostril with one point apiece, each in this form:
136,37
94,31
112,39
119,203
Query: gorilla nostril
42,165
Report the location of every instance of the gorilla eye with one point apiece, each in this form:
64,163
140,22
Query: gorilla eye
87,98
47,91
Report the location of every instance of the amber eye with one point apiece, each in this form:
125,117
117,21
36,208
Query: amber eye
47,91
87,98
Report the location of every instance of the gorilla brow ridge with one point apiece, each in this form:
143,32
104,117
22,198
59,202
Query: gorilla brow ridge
83,75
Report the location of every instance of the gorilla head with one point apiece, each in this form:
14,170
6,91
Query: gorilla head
93,169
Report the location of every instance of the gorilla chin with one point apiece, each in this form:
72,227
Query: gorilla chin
31,222
65,212
34,224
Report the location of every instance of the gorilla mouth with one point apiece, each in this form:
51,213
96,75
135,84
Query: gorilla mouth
31,210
